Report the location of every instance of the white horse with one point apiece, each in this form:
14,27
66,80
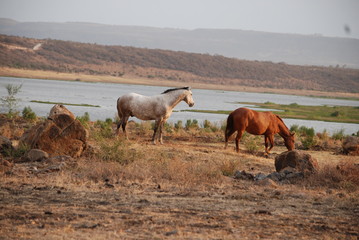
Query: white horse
158,108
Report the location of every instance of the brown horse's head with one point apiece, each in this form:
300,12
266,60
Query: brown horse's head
289,141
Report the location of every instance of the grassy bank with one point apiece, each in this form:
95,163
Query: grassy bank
70,104
345,114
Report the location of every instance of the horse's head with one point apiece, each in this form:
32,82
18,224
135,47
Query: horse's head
188,97
289,142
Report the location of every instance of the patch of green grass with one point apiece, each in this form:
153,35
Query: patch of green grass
69,104
345,114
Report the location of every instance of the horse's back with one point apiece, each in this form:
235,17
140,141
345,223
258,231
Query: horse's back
251,121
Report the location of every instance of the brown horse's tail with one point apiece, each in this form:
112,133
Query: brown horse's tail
229,128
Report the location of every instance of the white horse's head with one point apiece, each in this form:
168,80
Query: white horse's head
188,98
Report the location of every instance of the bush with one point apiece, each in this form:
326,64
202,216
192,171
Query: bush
85,119
10,101
338,135
306,135
28,114
16,152
192,124
345,176
179,125
105,128
207,125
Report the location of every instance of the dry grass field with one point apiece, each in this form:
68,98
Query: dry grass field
184,189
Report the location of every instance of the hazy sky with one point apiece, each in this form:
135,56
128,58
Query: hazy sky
326,17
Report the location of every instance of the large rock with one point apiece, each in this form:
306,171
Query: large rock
300,161
351,145
60,109
60,134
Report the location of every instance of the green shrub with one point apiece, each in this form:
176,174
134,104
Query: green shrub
85,119
207,125
105,128
179,125
338,135
192,124
117,151
16,152
11,101
294,128
28,114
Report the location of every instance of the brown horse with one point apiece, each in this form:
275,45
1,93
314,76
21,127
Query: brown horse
258,123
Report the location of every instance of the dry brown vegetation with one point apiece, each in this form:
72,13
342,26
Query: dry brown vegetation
183,189
129,62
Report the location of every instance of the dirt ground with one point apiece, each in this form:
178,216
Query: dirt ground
67,205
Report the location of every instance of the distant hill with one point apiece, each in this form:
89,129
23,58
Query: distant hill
148,64
247,45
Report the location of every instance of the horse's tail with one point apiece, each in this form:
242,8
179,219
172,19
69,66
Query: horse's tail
229,128
119,108
119,112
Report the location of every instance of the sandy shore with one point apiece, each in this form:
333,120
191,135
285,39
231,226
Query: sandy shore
25,73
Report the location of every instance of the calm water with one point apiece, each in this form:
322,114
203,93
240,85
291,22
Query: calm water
105,95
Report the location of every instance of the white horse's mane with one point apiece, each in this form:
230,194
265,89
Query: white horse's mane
174,89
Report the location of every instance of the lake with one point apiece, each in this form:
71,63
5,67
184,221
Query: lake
105,95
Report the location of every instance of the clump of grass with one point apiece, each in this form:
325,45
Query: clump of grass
209,126
116,151
85,119
306,135
178,125
105,128
192,124
229,166
344,175
28,114
252,142
338,135
16,152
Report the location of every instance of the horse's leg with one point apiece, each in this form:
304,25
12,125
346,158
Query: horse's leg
227,135
266,139
238,137
271,141
118,127
124,123
157,123
161,130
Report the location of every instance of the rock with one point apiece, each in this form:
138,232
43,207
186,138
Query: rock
60,109
275,176
351,146
35,155
300,161
243,175
5,145
266,182
60,134
260,176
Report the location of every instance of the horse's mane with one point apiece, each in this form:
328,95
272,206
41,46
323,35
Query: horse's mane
281,121
174,89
